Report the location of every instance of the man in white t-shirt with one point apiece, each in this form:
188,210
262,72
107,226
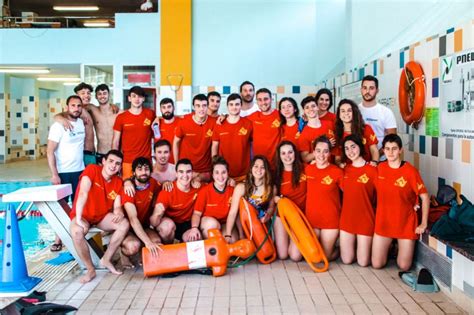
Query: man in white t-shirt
378,116
65,151
247,93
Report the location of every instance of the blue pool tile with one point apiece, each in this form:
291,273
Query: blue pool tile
422,144
361,73
375,68
435,87
451,30
32,98
449,251
25,125
402,59
226,89
296,89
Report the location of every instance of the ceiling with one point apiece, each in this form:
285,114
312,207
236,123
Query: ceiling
106,7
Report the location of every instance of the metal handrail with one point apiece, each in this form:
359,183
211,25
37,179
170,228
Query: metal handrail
15,21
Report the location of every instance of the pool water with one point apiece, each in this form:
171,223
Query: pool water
35,231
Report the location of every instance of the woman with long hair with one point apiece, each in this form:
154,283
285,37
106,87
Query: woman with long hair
349,121
213,202
292,123
324,100
323,202
399,186
358,204
257,189
290,182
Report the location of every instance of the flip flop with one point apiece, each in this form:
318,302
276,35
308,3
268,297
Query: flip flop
55,247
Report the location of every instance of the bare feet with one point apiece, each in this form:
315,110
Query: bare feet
90,274
126,262
110,266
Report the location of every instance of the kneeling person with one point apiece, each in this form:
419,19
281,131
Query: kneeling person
213,203
139,209
97,203
173,210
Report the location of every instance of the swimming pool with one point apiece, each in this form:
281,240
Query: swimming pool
35,231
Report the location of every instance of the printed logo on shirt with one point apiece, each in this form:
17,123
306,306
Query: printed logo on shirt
276,123
147,122
242,131
98,185
223,133
150,195
401,182
302,178
373,137
420,186
212,204
364,141
195,196
327,180
209,133
128,125
364,179
112,195
297,135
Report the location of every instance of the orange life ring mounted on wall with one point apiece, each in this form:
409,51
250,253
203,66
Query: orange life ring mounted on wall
411,93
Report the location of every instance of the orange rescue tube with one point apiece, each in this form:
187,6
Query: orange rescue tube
302,234
213,252
256,231
411,93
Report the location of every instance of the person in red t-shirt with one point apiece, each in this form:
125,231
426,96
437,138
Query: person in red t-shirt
214,99
213,202
399,186
97,203
290,182
231,139
323,200
324,101
174,208
350,122
290,119
314,129
139,209
266,127
358,204
167,123
132,130
193,139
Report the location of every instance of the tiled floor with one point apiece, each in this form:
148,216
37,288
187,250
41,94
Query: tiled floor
282,287
35,170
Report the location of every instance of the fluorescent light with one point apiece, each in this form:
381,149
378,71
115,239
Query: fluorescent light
75,8
24,70
63,79
96,24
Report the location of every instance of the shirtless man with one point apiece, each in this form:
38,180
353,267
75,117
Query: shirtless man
84,91
103,117
163,171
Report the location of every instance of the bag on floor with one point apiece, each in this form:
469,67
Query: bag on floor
421,282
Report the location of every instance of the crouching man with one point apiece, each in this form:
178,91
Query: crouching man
139,209
173,210
97,203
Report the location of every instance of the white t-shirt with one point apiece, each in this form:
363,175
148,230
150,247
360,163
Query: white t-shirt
380,118
248,112
70,151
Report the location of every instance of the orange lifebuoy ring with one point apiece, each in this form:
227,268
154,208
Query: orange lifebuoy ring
411,93
302,234
256,231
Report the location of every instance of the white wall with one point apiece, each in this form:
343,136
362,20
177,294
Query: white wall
269,42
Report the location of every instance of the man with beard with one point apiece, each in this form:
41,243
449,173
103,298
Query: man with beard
214,99
378,116
193,139
168,123
139,209
247,93
65,147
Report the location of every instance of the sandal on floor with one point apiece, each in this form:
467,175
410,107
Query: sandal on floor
56,247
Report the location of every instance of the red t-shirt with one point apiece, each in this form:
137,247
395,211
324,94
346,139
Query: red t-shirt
291,133
213,203
167,132
296,194
101,196
398,190
143,201
323,199
309,134
266,134
234,145
196,142
331,117
358,202
368,138
136,134
179,205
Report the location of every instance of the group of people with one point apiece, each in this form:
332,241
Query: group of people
344,171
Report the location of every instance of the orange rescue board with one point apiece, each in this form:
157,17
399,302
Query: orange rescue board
256,231
213,252
301,233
